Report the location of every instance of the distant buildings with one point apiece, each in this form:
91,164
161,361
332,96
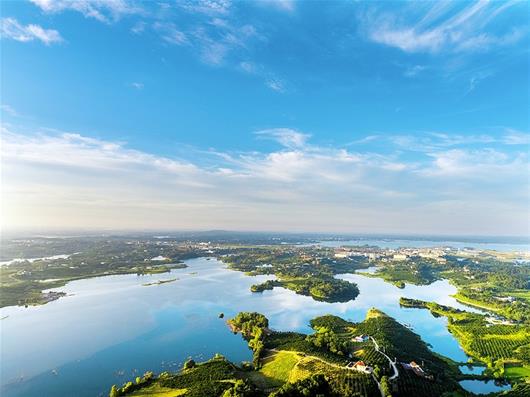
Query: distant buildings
342,254
400,257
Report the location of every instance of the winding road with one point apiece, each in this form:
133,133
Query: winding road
396,372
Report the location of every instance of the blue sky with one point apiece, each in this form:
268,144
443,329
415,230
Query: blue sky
403,117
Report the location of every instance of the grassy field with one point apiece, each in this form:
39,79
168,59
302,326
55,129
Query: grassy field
517,372
522,294
156,390
279,365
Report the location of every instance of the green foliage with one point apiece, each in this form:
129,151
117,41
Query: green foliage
330,322
248,323
267,285
130,387
314,386
22,283
328,340
492,344
205,379
190,363
241,388
519,390
252,326
385,387
323,288
114,391
293,341
304,271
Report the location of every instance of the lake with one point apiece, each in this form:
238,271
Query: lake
471,369
109,329
483,386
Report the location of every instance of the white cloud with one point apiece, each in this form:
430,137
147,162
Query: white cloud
221,38
139,27
248,67
12,29
488,164
9,109
275,85
271,81
70,180
432,141
514,137
207,7
102,10
440,29
285,136
138,86
414,70
282,5
170,33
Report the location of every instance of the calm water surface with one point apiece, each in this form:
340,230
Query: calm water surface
109,329
471,369
483,386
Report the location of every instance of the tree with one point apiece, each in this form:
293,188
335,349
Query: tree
114,391
190,363
241,388
385,386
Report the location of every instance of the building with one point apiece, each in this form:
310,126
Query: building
400,257
415,368
342,254
362,367
360,338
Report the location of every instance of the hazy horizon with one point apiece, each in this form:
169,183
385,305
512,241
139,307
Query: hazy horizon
362,118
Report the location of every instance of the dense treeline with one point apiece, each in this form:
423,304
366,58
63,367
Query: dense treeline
307,271
254,328
316,385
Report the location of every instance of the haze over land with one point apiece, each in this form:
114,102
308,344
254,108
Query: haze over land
363,117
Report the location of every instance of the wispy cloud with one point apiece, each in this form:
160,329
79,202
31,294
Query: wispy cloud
137,85
445,26
170,33
12,29
434,141
209,29
9,110
285,136
477,164
282,5
414,70
207,7
270,80
139,27
302,186
276,85
514,137
102,10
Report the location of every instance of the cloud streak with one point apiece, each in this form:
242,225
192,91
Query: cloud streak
10,28
442,28
101,10
71,180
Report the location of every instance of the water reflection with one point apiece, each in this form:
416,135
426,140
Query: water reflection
109,329
471,369
483,386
